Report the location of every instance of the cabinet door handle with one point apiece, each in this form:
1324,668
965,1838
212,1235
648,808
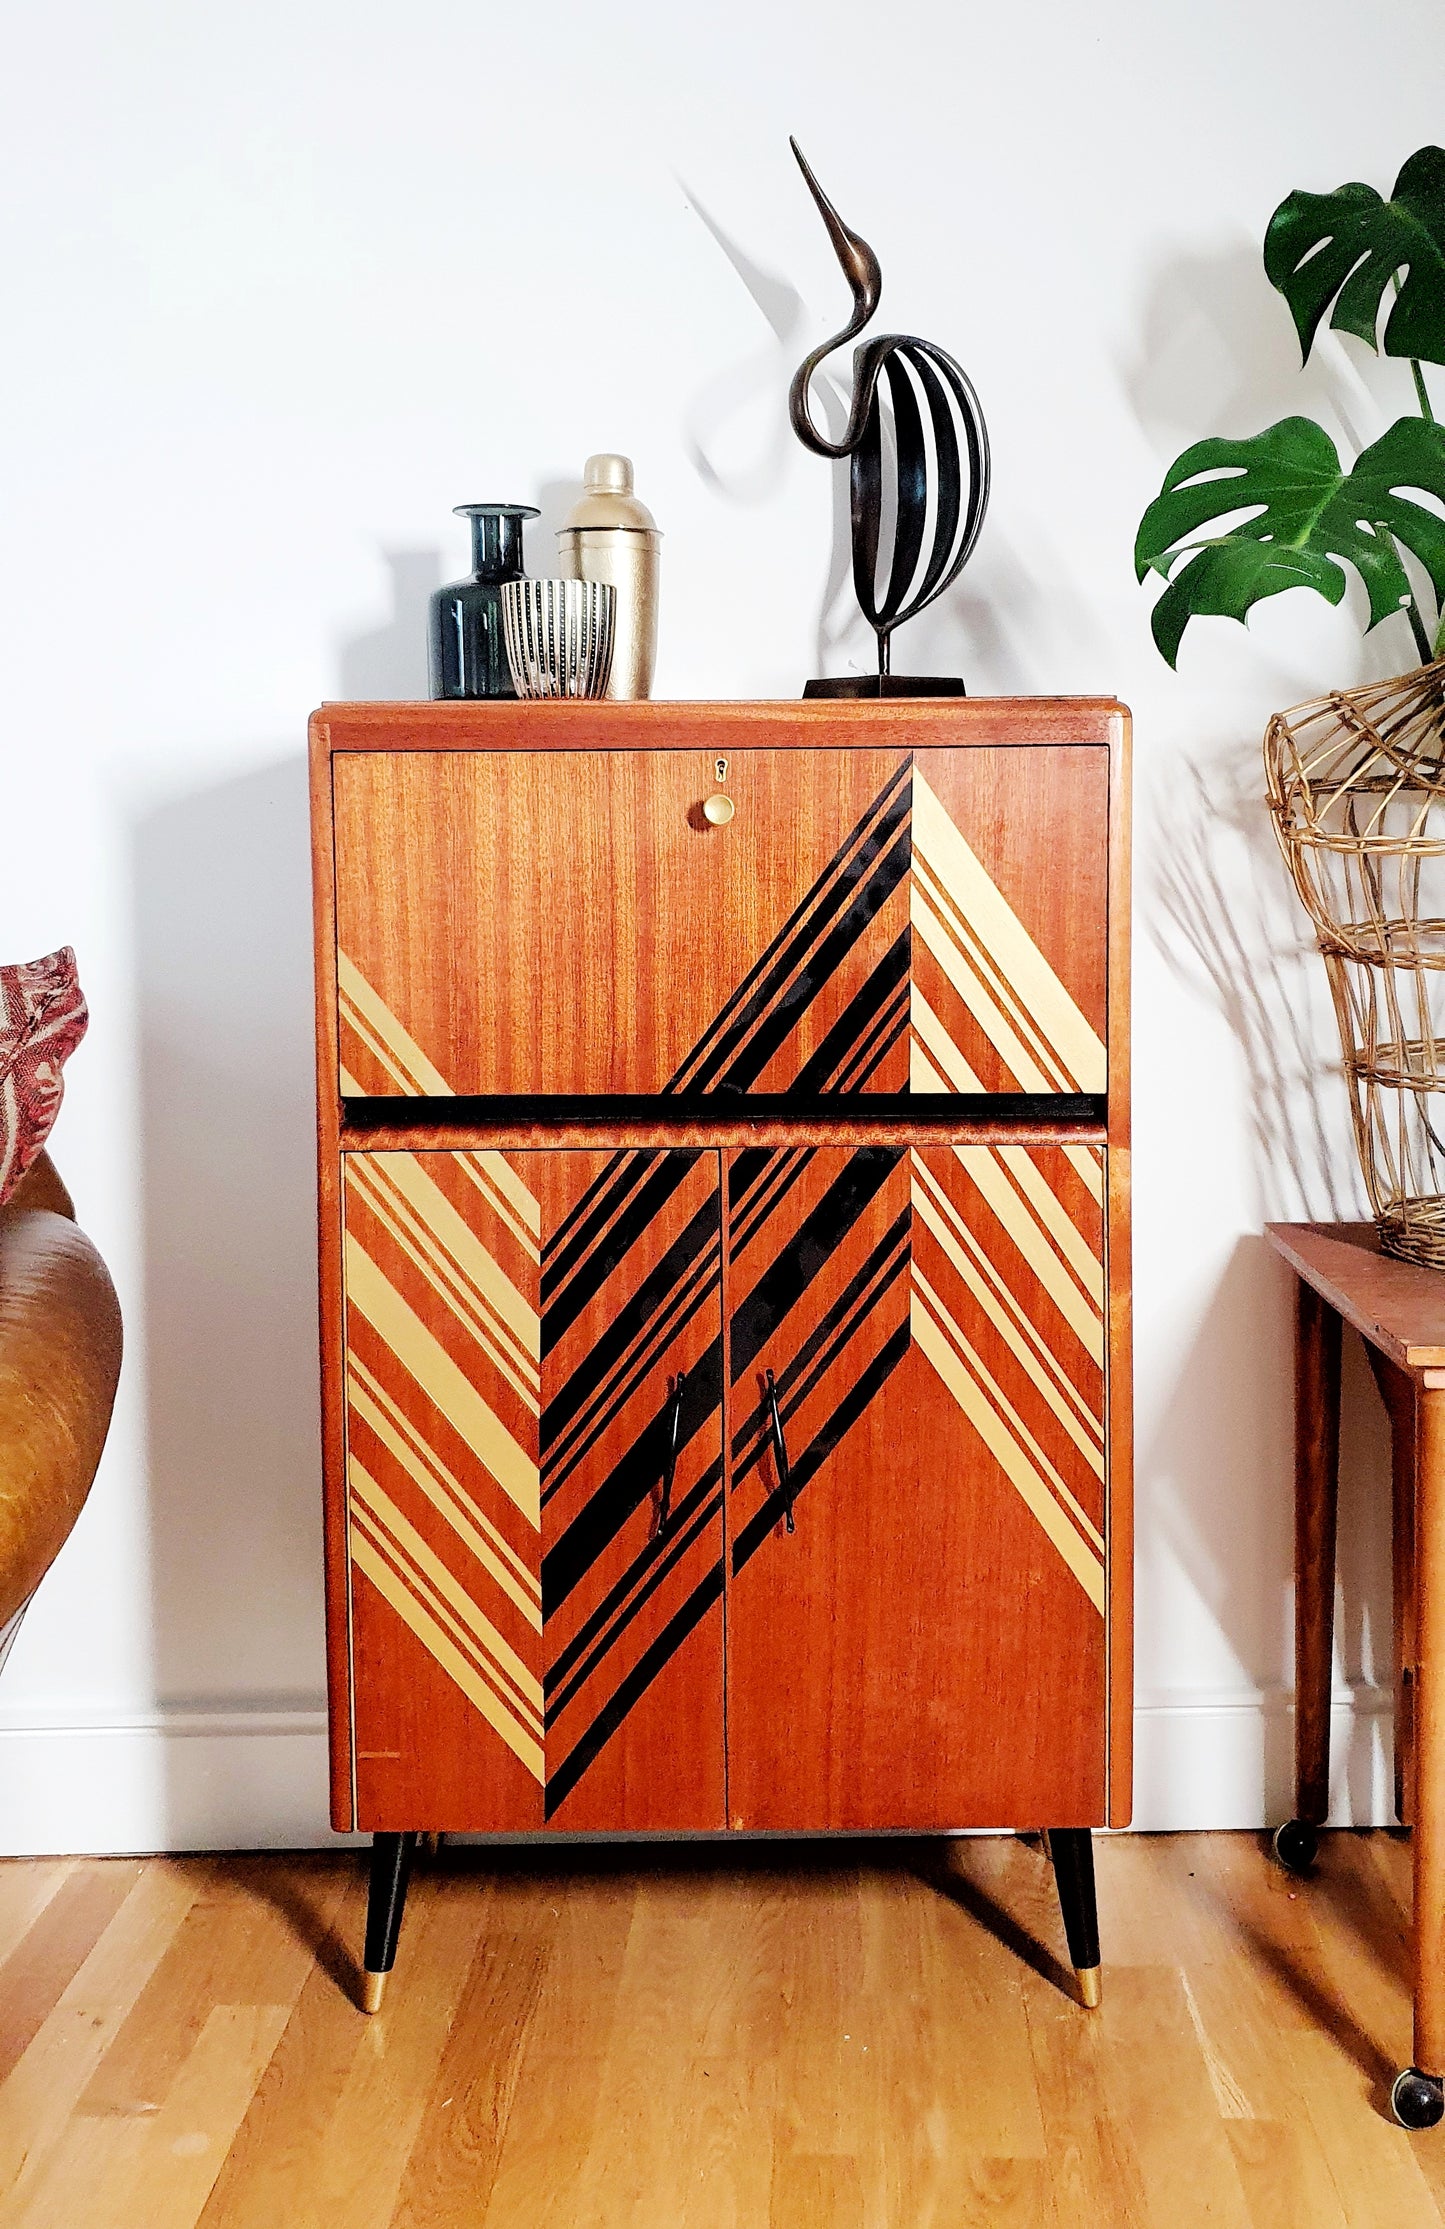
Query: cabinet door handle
674,1428
780,1447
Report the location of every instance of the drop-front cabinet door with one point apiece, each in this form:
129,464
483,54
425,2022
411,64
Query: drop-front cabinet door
571,924
534,1489
916,1631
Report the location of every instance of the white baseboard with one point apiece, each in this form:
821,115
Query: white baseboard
238,1779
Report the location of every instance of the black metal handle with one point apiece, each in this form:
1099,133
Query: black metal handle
674,1428
780,1446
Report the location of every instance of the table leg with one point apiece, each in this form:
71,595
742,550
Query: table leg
1418,2097
1397,1390
1316,1491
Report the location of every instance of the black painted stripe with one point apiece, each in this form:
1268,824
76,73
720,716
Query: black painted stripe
611,1602
613,1179
898,783
787,1008
808,1251
652,1661
596,1525
816,1453
831,1334
611,1251
575,1446
769,1197
778,1005
673,1546
629,1318
884,1047
823,1070
601,1203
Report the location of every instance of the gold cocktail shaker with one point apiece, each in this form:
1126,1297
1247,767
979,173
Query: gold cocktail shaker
609,536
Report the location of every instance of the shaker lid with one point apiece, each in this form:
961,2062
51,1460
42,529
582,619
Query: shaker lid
607,498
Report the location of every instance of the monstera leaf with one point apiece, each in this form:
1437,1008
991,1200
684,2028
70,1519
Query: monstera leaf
1346,247
1305,512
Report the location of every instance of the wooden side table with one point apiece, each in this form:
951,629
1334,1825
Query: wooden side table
1400,1312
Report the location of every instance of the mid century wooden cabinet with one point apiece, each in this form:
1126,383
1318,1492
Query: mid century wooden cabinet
724,1176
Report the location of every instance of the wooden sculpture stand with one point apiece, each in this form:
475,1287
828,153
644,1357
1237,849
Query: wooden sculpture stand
1399,1310
724,1273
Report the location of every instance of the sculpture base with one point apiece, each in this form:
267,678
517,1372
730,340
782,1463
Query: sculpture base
863,685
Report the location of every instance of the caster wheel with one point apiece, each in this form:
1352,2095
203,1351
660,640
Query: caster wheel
1296,1845
1417,2100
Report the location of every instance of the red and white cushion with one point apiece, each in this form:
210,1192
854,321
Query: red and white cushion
42,1020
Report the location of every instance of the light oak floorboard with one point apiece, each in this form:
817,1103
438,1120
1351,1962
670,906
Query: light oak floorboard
847,2035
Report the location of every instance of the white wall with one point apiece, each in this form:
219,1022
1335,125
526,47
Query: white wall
280,285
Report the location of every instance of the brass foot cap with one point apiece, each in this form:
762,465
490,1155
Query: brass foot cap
1090,1988
373,1989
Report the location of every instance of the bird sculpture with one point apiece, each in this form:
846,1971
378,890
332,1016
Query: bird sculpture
935,422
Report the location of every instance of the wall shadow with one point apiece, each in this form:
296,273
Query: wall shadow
390,661
222,918
1224,920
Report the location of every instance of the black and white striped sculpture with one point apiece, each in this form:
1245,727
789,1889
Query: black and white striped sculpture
934,506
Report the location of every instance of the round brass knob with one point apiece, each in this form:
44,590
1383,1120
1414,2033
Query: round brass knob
718,810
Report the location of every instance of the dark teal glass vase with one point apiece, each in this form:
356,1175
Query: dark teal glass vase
468,654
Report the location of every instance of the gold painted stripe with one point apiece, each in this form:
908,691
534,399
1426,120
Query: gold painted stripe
422,1450
523,1225
500,1172
999,930
1023,1167
979,1370
1087,1163
446,1585
455,1234
987,1171
992,982
1043,1367
464,1306
423,1080
443,1650
1010,1048
1086,1565
383,1182
421,1353
350,1088
367,1038
371,1402
930,1030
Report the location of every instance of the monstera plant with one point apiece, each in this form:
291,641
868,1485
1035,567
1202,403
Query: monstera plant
1286,508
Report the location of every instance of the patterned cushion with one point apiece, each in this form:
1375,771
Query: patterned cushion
42,1020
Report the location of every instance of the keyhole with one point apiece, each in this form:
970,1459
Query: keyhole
720,769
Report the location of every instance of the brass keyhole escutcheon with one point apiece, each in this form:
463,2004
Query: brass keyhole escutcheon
720,770
718,811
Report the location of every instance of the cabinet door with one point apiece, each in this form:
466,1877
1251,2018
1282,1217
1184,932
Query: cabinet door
570,925
927,1647
530,1643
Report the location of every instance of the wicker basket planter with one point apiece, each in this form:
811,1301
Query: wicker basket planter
1357,790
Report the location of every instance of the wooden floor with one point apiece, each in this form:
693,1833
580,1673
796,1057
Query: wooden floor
774,2037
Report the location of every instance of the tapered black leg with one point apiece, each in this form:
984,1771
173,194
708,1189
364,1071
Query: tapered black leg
391,1856
1073,1854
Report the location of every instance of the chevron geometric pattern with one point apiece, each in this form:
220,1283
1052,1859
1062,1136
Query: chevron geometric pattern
932,981
1007,1303
509,1422
986,1260
443,1354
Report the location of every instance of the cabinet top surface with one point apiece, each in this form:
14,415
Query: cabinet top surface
898,723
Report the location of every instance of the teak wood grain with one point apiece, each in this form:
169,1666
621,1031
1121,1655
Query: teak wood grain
946,1573
517,924
1040,790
